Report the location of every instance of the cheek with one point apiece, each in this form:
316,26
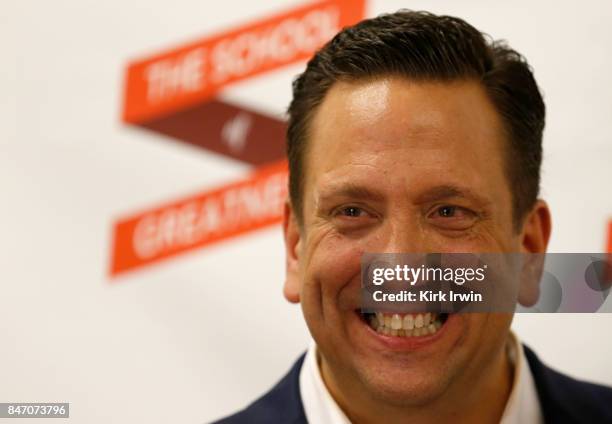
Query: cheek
333,271
488,330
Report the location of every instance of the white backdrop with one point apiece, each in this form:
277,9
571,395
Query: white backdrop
171,343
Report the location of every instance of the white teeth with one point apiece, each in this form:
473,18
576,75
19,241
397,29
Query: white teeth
396,322
407,326
408,323
418,321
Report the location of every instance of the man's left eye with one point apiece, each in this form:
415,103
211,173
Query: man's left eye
452,212
453,217
447,211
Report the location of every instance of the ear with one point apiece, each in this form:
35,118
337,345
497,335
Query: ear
534,242
292,236
536,229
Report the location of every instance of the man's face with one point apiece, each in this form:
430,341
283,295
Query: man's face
399,166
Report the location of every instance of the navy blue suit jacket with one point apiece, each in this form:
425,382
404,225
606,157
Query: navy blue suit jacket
562,399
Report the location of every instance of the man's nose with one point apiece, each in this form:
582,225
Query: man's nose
404,235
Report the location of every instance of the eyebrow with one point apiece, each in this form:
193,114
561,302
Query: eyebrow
443,192
437,193
350,190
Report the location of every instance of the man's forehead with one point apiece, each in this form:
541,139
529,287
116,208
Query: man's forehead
394,110
438,138
361,105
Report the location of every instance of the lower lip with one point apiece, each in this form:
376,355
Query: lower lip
409,343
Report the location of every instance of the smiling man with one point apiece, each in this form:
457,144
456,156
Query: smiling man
411,132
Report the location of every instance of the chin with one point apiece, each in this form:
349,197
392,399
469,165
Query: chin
413,385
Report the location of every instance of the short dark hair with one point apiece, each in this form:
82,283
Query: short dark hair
422,46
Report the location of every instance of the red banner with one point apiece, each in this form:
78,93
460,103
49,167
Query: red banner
193,73
199,220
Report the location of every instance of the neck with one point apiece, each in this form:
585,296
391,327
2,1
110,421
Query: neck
479,396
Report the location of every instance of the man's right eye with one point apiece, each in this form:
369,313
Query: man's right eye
351,211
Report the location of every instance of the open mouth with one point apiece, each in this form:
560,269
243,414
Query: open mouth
405,325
